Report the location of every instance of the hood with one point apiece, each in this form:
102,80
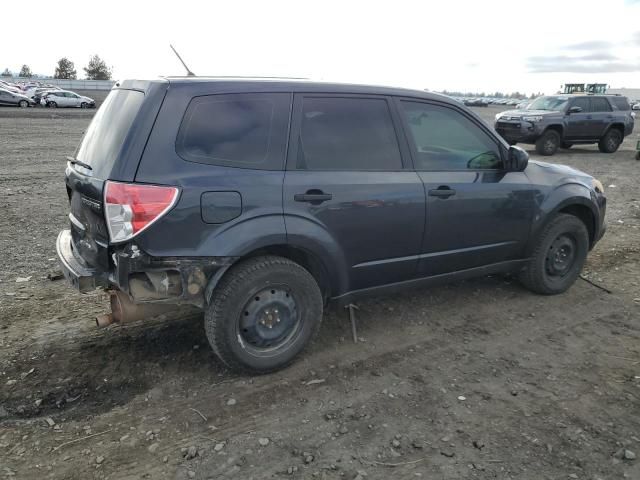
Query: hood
520,113
563,173
91,100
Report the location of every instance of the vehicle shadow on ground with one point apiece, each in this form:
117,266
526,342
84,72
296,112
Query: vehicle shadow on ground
102,369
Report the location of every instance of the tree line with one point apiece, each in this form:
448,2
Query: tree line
96,69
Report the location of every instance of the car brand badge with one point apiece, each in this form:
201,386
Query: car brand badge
92,204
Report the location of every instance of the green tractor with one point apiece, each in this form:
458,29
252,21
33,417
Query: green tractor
593,88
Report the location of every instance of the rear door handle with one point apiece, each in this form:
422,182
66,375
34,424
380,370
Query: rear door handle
315,197
442,192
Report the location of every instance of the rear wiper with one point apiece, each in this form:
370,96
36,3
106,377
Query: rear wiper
74,161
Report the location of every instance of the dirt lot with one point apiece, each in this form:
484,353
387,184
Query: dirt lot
477,380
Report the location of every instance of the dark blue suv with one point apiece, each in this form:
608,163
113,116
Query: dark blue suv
261,200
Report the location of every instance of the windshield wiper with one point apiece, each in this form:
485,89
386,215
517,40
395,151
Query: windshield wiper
74,161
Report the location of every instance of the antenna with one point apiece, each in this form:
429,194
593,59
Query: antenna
189,72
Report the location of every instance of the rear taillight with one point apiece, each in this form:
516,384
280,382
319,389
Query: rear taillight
130,207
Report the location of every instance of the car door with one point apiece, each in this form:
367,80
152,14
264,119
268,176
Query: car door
601,116
346,185
4,98
578,124
74,99
477,212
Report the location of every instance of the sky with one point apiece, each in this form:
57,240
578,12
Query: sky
473,46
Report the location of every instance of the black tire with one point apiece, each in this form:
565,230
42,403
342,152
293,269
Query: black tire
84,105
23,104
243,314
52,105
558,256
548,143
611,141
566,145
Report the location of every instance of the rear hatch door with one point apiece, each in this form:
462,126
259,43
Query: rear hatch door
110,150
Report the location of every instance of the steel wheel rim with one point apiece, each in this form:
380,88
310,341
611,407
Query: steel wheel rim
269,320
561,256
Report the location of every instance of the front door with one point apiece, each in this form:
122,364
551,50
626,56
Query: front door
477,213
346,181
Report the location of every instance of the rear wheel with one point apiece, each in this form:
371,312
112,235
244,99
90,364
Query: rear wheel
548,143
611,141
23,104
262,314
558,257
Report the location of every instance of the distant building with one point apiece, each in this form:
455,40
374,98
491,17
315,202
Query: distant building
630,93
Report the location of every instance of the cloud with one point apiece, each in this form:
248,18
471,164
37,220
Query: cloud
592,45
591,63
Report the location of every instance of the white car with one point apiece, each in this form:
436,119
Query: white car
65,98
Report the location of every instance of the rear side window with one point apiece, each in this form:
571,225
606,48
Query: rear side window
246,130
338,133
620,103
600,104
106,134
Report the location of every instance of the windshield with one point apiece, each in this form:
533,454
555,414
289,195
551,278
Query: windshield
106,133
556,104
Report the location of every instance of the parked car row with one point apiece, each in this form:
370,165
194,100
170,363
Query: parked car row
45,96
484,101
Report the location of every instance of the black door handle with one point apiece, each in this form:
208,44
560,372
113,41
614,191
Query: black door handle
315,197
442,192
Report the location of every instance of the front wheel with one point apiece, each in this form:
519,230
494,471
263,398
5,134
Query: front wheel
548,143
610,142
262,314
52,105
23,104
84,105
558,256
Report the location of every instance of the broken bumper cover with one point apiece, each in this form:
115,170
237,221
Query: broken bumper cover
81,276
146,279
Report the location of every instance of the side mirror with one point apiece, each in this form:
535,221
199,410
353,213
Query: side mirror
575,110
518,159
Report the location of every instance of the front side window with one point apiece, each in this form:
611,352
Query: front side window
582,102
246,130
339,133
444,139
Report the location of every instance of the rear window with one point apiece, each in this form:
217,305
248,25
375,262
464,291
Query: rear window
106,134
620,103
246,130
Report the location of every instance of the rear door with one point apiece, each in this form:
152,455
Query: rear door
105,150
477,213
601,116
346,178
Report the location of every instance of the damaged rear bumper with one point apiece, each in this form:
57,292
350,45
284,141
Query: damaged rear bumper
146,279
81,276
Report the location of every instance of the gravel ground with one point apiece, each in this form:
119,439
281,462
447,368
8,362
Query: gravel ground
478,380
